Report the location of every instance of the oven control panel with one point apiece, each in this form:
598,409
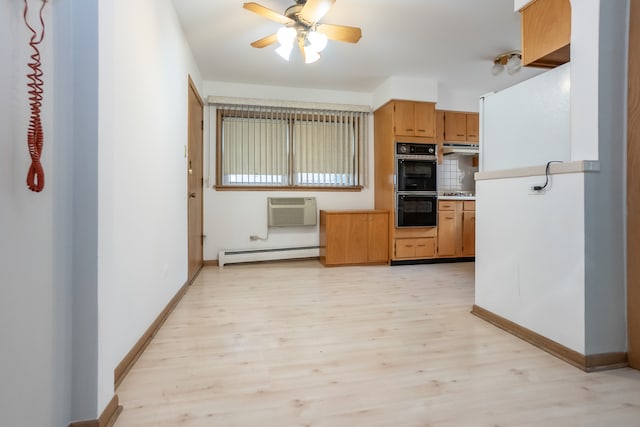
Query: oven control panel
416,149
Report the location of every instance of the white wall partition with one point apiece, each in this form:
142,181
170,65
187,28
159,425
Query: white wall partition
144,67
35,260
531,253
567,281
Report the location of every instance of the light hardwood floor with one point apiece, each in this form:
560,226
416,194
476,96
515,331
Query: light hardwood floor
298,344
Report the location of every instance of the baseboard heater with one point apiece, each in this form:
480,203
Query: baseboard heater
253,255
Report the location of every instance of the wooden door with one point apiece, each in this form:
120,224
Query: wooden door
403,117
447,233
378,237
425,116
473,127
455,126
633,188
194,181
468,233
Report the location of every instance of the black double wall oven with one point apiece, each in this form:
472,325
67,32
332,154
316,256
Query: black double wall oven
416,185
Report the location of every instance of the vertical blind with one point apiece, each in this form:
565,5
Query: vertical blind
283,146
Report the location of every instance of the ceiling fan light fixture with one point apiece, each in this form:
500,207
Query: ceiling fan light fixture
285,51
286,36
310,55
317,41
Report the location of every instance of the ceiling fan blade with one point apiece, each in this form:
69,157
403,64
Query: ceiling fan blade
340,33
314,10
265,41
267,13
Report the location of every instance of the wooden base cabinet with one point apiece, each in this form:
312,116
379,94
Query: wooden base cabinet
354,237
456,228
415,248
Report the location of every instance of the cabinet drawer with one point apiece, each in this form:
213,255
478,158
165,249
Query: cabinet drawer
447,205
425,248
469,205
405,248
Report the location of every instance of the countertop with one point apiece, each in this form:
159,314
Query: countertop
456,197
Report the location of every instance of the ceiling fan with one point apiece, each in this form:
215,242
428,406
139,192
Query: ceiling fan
301,27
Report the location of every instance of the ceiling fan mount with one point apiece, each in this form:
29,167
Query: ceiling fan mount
300,26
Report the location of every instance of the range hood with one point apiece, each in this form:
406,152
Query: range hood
460,149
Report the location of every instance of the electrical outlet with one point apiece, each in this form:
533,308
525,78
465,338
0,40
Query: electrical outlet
533,192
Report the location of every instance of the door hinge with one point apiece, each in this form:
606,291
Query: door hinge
201,124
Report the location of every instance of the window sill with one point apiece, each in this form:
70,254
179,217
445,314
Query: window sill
273,188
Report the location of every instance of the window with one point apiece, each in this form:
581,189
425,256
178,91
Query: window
289,147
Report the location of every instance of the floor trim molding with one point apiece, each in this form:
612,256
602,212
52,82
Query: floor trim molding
590,363
210,263
120,372
106,419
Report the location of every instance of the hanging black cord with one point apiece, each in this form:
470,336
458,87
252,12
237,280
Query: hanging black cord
546,177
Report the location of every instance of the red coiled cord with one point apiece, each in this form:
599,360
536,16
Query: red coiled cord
35,136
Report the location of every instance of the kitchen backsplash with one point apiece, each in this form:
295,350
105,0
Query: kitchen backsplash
456,173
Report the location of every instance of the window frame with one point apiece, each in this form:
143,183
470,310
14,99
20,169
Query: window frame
359,152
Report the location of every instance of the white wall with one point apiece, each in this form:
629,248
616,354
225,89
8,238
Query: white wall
605,192
598,91
409,88
230,217
585,36
528,124
144,67
458,100
530,255
35,286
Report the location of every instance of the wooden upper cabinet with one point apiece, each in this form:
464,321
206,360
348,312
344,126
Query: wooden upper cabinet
425,113
413,118
546,33
440,133
473,127
455,126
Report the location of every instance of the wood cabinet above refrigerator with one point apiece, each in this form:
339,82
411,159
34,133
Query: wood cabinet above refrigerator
546,33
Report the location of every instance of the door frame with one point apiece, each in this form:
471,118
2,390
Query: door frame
193,90
633,187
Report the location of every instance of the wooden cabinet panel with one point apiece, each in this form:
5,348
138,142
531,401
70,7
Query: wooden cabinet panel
405,248
455,126
404,117
414,118
440,133
468,233
378,237
425,119
425,248
447,233
546,33
415,248
473,127
456,228
354,237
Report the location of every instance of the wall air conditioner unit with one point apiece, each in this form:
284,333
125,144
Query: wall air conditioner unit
291,211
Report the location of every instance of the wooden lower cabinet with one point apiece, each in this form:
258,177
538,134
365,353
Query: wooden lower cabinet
456,228
468,233
411,248
354,237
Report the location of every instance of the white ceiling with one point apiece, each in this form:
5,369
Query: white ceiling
450,41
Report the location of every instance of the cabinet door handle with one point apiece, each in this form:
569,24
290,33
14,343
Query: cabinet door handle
421,130
460,134
411,130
